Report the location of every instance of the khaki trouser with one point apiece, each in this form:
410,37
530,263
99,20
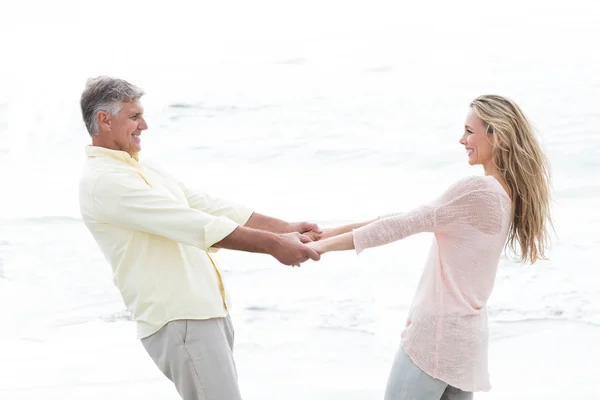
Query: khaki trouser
197,356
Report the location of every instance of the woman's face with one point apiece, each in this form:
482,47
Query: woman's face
477,141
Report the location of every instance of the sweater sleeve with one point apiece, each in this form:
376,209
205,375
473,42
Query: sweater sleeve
469,203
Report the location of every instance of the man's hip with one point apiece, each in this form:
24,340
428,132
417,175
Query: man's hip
197,356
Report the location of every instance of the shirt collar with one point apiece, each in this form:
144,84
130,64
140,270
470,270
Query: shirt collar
96,151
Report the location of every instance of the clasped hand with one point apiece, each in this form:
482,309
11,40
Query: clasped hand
301,244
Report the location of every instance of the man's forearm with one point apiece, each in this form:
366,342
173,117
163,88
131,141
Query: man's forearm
269,224
250,240
288,248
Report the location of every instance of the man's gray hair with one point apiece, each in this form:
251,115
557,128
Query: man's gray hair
105,93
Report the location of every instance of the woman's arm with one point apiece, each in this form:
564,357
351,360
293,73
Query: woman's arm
468,202
376,232
345,241
340,238
340,230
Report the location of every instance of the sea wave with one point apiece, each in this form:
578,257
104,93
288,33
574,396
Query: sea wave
43,220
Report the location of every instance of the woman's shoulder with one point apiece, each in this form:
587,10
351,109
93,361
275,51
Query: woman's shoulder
473,183
475,187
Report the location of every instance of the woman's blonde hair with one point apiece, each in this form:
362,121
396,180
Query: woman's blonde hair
520,160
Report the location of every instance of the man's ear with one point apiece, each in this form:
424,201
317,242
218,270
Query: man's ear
104,120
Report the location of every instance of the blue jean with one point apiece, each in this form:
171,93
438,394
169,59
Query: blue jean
408,382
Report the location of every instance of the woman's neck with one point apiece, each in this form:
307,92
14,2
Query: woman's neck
491,170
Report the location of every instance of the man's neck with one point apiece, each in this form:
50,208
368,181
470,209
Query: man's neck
111,145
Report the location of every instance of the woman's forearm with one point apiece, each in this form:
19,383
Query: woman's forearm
341,242
340,230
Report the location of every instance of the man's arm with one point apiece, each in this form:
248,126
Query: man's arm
125,200
288,249
242,215
202,201
216,206
270,224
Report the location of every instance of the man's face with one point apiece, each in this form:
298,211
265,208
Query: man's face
125,129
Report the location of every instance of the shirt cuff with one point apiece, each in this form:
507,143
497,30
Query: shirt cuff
241,215
216,230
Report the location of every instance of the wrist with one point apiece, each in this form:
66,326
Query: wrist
288,227
322,246
272,242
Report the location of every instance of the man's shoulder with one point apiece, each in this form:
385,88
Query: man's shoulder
94,172
89,175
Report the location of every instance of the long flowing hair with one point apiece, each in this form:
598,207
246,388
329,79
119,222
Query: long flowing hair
519,158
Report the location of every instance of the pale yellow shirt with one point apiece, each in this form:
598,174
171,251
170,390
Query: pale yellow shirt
155,233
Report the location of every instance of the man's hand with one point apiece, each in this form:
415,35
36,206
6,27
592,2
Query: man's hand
309,229
291,250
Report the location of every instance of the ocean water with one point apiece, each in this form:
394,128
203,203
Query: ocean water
324,112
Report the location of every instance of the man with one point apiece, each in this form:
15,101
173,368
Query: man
157,234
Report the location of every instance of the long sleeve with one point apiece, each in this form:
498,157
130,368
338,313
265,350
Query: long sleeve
124,199
204,202
217,206
446,333
468,203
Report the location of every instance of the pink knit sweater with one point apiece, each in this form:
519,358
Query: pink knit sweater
446,334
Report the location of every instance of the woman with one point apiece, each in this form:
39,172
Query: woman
443,352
